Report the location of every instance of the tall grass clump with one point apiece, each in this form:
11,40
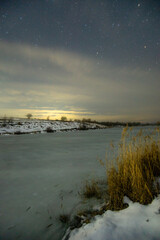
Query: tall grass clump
136,169
91,189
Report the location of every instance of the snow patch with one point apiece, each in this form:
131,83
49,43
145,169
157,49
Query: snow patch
40,126
135,222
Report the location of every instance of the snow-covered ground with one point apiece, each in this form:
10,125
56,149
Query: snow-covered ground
41,126
135,222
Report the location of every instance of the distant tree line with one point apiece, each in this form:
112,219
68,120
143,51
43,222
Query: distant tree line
6,120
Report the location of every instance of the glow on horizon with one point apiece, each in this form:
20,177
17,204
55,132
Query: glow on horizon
91,59
73,85
71,115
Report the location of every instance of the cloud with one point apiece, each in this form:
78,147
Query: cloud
38,78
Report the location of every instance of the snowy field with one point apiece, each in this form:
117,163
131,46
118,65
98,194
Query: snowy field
41,126
41,176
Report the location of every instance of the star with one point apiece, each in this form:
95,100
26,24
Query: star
113,24
145,46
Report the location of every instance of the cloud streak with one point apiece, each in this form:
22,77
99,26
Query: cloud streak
33,78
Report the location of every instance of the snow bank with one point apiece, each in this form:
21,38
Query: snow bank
135,222
40,126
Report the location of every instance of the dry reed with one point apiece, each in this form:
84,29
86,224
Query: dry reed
91,189
136,168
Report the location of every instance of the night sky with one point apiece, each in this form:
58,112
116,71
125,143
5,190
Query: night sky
84,58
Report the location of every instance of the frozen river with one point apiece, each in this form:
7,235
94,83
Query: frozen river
41,175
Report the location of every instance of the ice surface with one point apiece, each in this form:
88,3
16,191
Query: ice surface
41,175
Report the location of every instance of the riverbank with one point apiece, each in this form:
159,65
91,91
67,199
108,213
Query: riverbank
42,126
135,222
135,173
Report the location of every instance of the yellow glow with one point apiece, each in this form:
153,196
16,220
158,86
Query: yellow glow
59,80
72,114
43,114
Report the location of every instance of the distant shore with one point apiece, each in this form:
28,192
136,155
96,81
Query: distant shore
15,126
33,126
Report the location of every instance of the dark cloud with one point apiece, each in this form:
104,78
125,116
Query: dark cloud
117,30
102,56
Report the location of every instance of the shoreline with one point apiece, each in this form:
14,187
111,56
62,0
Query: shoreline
41,126
33,126
122,223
